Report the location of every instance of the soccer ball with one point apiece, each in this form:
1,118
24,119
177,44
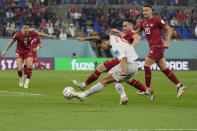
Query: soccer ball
67,92
196,31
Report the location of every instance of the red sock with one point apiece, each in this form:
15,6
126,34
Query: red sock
147,76
94,76
25,69
171,76
39,64
29,72
20,73
137,85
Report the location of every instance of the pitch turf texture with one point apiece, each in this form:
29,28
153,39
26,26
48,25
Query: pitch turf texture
43,108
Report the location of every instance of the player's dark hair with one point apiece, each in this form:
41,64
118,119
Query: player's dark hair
98,42
129,20
147,5
104,36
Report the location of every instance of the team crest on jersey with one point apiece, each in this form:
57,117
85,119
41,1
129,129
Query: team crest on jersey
151,25
117,52
162,21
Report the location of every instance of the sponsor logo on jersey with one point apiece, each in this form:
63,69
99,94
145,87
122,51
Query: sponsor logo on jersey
117,52
162,21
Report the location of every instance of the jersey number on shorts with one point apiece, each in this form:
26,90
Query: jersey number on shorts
147,31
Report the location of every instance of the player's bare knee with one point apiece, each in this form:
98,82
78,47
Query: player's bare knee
104,81
101,68
19,69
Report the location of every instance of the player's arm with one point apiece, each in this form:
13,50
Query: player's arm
123,66
168,35
123,60
139,31
7,48
89,38
38,47
46,35
120,33
136,39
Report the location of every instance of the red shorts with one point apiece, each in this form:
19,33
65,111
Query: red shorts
111,63
35,59
156,53
23,55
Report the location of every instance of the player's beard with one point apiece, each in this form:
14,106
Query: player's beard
26,33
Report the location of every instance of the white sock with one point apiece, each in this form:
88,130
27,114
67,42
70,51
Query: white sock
120,89
27,81
94,89
179,85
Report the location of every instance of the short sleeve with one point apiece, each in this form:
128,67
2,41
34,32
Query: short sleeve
34,34
120,53
129,34
39,41
161,23
15,37
140,26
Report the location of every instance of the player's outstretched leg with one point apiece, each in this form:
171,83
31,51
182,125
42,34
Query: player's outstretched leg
43,65
25,70
94,89
180,90
138,85
21,78
123,97
39,65
29,71
79,84
92,77
180,87
149,92
147,76
142,88
20,71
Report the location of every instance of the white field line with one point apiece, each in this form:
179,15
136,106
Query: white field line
159,129
18,93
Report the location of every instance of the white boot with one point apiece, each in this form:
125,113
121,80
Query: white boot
26,83
79,84
21,79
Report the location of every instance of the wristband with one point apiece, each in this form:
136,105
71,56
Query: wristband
38,48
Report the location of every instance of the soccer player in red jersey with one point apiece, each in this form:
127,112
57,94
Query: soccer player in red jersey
24,51
152,27
36,45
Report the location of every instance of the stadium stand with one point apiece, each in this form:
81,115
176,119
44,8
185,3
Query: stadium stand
89,17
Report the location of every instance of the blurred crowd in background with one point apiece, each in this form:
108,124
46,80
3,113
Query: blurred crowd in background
78,17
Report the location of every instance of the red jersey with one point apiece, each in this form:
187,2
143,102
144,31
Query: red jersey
24,42
129,36
36,40
153,31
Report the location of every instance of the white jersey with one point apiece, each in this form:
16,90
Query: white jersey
121,48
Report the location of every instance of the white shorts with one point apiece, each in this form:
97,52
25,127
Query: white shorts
131,70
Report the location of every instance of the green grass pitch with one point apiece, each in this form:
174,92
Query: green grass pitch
43,108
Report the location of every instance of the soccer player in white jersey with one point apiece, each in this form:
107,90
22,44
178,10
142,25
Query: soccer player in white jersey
123,72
